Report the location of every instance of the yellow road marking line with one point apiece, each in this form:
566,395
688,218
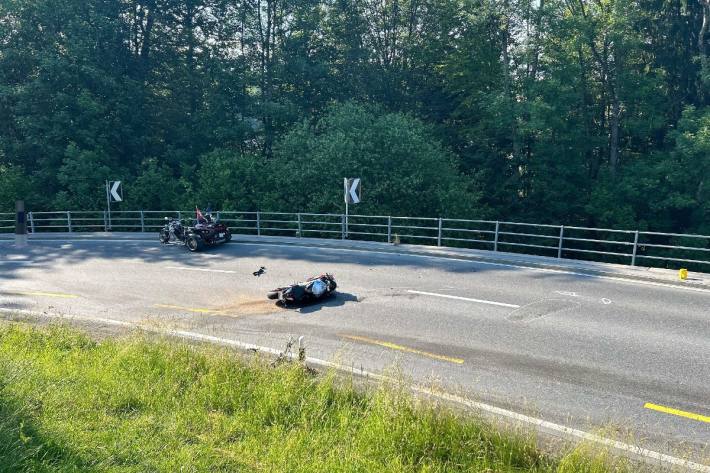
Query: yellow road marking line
189,309
677,412
394,346
43,294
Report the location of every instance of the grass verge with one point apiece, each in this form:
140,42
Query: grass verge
68,403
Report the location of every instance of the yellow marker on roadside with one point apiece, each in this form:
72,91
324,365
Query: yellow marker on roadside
683,274
677,412
394,346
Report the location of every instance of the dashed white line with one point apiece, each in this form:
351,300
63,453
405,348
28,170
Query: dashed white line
567,293
206,270
459,298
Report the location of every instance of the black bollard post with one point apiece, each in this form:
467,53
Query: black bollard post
20,223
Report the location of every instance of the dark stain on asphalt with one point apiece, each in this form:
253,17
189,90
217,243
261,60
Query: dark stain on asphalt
542,308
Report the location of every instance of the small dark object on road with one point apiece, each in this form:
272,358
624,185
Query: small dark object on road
311,290
261,271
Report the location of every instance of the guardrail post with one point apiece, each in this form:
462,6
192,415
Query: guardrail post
32,222
636,245
142,222
342,227
69,221
389,229
105,222
562,236
179,215
495,241
438,238
258,224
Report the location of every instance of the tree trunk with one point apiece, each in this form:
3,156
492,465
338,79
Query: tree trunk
702,48
191,66
613,82
146,38
507,82
614,138
536,40
705,4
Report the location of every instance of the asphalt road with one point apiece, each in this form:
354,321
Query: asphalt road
622,358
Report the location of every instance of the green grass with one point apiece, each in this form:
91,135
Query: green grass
68,403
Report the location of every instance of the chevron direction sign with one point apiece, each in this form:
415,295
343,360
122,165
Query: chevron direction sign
116,191
353,190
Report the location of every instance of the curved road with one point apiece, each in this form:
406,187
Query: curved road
627,359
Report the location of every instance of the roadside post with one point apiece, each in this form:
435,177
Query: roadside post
20,224
114,193
353,195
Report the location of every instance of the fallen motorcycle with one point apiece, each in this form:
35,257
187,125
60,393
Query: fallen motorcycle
204,232
310,290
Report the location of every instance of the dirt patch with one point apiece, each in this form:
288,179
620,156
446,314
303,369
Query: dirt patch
248,306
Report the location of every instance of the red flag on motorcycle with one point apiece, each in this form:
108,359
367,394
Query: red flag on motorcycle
199,216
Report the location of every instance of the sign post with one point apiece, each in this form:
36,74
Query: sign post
20,224
114,193
353,195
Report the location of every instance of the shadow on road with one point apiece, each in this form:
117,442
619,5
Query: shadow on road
339,299
46,255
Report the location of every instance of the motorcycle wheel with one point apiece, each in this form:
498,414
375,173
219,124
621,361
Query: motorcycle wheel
273,295
227,236
193,244
164,236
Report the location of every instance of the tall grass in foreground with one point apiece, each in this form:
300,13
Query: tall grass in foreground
68,403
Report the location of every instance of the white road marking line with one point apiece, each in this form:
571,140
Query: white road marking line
185,268
480,301
489,263
538,423
566,293
445,258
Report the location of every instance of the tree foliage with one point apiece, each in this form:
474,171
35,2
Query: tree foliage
591,112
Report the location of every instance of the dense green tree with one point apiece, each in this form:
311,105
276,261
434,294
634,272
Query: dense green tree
404,169
14,185
565,111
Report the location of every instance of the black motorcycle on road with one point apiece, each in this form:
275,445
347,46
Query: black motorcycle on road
310,290
203,233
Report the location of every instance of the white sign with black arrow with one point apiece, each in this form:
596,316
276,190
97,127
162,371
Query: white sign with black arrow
353,191
353,195
116,191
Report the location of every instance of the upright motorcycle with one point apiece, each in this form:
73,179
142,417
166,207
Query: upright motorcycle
205,232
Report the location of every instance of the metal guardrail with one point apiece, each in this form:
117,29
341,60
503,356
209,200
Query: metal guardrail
7,222
622,246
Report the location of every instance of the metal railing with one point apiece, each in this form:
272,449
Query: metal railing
596,244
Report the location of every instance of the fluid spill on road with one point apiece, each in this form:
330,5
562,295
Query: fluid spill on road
243,306
541,308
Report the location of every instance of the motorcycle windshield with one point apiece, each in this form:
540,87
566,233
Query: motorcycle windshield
318,288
